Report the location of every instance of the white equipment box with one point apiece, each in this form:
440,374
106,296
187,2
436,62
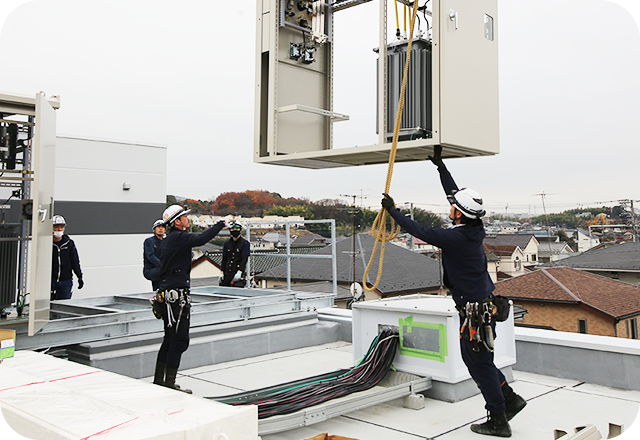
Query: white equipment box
429,335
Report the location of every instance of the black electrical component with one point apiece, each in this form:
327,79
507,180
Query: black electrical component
308,55
12,139
295,51
303,22
302,5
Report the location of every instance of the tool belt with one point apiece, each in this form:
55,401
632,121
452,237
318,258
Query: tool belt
163,301
478,318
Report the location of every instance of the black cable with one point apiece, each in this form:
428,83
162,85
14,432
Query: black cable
367,374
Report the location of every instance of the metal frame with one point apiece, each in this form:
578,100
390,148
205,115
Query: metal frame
344,405
103,318
289,255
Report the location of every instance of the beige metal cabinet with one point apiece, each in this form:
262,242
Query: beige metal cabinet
294,112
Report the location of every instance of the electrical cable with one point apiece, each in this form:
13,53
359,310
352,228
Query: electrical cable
286,399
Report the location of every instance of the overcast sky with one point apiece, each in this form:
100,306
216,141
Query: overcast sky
181,74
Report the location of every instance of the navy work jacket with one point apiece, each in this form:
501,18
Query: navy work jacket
151,255
65,259
175,255
463,259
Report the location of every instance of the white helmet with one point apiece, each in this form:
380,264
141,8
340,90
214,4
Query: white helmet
468,202
157,223
173,212
59,220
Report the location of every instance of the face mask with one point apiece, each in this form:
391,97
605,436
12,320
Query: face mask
58,234
235,233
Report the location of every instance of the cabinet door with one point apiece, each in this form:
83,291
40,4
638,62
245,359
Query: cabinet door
43,161
469,74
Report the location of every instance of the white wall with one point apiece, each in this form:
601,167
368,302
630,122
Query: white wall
111,264
91,170
94,170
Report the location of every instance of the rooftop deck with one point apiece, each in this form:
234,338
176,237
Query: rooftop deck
553,403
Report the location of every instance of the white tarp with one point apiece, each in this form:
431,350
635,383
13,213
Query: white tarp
43,397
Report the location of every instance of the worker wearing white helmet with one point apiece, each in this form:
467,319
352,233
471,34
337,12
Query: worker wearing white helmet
173,292
465,274
151,254
64,263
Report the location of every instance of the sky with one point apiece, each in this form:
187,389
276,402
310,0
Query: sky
182,75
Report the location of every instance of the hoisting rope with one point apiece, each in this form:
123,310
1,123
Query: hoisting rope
380,223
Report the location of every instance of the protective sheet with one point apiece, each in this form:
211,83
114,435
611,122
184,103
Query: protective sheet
48,398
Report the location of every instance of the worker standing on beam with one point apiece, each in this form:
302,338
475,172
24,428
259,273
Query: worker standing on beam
173,294
465,274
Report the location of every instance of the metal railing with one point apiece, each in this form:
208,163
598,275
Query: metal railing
289,255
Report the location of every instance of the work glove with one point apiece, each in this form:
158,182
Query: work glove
388,203
227,220
237,276
437,156
80,283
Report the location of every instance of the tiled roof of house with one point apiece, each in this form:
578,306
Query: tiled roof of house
500,250
521,240
620,257
563,284
266,259
403,270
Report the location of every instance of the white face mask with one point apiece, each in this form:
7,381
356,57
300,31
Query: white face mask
58,234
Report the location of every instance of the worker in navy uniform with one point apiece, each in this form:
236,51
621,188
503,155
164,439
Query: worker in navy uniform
235,254
465,274
65,260
151,255
173,293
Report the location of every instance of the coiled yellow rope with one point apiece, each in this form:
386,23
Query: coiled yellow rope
380,223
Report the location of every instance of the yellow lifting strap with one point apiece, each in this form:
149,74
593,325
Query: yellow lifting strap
380,223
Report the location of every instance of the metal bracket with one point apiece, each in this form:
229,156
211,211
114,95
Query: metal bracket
335,117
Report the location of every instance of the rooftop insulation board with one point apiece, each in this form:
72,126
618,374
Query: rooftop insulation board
45,397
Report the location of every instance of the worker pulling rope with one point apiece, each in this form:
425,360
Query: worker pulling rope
380,223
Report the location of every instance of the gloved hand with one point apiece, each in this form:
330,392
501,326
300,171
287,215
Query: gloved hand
80,283
227,220
237,276
388,203
437,156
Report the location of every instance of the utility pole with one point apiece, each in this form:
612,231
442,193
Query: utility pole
353,210
411,213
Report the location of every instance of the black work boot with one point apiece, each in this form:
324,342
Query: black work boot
496,425
158,377
170,381
512,401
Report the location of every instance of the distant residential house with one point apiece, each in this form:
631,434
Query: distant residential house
403,272
510,260
571,300
554,251
617,261
585,240
204,267
310,240
528,243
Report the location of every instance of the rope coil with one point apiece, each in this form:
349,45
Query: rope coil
380,232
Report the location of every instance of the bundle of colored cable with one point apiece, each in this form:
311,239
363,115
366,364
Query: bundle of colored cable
367,374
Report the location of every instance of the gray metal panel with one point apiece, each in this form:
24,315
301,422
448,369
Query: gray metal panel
8,264
44,159
468,76
98,218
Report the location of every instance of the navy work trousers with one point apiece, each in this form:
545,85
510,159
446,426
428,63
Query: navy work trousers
176,337
484,372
